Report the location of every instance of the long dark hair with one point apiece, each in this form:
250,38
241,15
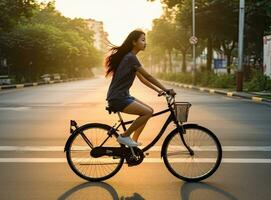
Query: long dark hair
117,53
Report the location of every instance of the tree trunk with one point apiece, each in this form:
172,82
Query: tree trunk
228,62
165,65
228,52
209,54
184,61
170,60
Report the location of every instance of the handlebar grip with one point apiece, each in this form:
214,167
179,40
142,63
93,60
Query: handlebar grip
162,94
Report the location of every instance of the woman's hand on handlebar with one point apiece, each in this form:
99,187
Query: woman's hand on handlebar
171,92
167,91
160,93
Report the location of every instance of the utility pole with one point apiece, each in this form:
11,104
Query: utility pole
239,77
193,32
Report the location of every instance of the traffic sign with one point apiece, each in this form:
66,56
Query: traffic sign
193,40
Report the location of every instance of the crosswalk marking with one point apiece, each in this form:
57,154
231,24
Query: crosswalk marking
14,108
146,160
154,148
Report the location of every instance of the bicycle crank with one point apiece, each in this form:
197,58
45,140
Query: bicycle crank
134,157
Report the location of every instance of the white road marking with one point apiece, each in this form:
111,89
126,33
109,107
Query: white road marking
14,108
146,160
154,148
209,160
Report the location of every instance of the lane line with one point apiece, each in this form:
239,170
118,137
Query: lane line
146,160
155,148
15,108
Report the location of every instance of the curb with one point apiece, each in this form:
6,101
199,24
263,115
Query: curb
221,92
17,86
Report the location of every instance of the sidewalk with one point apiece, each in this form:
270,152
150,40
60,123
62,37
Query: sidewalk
15,86
256,97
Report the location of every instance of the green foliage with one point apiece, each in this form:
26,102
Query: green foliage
258,82
204,78
166,39
49,43
12,11
217,23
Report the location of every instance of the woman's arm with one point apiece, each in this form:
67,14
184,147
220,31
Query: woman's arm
147,83
150,78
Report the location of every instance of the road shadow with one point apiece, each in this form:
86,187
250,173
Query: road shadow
98,190
200,190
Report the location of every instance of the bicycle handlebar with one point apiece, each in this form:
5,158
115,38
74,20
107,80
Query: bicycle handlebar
168,96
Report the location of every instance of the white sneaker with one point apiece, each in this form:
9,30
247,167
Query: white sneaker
139,143
127,141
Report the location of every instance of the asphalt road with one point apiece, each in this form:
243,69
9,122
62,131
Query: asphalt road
34,126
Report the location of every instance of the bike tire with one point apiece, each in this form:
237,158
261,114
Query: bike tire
71,148
176,165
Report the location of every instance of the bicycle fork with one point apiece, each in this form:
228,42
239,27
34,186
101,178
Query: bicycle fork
182,131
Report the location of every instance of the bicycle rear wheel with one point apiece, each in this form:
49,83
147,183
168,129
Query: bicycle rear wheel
79,146
196,166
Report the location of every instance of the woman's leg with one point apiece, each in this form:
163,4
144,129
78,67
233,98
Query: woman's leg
140,129
143,103
144,113
138,132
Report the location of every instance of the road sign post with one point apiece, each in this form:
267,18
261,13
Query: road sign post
239,77
194,47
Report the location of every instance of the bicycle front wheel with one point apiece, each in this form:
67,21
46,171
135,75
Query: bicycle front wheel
201,161
79,146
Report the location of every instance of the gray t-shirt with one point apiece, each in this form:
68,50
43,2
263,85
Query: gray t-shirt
123,78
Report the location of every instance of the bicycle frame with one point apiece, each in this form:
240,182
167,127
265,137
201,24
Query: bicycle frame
170,118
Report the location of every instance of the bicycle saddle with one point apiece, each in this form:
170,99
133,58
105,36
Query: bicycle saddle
109,110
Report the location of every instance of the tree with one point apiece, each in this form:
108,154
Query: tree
12,11
182,44
162,35
49,43
258,24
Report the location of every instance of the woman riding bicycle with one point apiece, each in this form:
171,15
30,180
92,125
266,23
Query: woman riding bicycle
123,65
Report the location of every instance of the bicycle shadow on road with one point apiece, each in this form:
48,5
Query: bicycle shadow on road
98,190
200,190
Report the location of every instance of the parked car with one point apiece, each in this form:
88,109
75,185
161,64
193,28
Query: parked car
5,80
56,77
46,78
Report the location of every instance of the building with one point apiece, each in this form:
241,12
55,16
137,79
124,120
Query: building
100,36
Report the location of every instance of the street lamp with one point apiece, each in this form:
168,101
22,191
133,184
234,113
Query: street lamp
239,77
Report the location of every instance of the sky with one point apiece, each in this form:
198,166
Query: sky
120,17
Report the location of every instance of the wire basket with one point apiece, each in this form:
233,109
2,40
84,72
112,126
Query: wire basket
182,110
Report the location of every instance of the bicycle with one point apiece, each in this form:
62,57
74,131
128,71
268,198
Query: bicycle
190,152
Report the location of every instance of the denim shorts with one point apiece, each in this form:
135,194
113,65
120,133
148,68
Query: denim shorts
117,105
